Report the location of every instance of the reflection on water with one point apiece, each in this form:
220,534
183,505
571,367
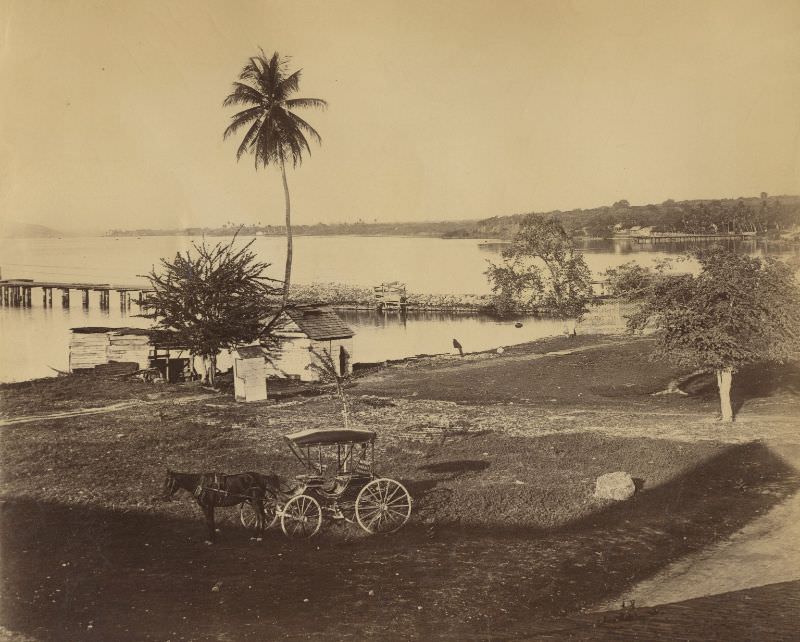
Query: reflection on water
33,339
392,335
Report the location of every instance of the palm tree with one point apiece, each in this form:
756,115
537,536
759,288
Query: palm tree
275,134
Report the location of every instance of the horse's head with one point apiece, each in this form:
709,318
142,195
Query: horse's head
170,486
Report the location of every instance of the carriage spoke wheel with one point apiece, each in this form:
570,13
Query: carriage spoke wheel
249,516
383,506
302,517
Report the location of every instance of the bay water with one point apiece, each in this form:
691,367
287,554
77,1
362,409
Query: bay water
34,341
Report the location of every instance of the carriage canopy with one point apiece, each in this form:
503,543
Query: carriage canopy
330,437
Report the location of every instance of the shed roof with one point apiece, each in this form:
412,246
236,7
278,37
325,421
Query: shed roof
250,352
319,323
103,330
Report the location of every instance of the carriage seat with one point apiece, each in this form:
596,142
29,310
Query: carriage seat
336,486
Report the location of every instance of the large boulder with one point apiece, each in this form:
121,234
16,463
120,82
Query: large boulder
618,486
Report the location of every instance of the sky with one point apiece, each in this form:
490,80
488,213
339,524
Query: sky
111,111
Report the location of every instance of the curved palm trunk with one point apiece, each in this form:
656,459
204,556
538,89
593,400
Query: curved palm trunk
287,277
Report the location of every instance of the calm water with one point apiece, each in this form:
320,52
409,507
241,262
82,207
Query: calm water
32,341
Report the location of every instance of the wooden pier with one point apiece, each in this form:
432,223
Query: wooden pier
18,293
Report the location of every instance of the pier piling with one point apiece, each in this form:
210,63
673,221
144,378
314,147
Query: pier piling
19,293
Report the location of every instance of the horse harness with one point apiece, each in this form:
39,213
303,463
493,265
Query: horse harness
213,483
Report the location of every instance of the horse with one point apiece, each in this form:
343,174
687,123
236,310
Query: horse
211,490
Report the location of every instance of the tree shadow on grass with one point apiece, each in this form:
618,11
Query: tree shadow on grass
756,381
86,573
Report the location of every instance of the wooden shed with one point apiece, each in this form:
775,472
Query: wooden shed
95,346
249,373
303,333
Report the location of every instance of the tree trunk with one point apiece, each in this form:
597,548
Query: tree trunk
724,379
211,370
288,272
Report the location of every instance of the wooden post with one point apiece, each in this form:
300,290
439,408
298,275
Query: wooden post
2,294
28,296
50,297
85,298
65,297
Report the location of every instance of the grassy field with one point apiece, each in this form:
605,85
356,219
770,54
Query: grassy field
500,454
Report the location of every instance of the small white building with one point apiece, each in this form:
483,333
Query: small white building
249,373
304,333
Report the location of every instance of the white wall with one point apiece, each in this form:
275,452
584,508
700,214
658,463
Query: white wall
296,356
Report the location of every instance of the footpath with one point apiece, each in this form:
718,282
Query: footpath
768,613
745,588
99,410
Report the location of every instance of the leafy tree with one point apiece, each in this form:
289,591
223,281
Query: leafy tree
541,267
275,134
212,298
737,310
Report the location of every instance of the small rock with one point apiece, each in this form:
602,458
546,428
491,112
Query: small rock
500,350
216,587
617,486
305,600
371,593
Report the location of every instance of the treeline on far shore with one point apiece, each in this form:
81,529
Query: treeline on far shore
769,215
776,216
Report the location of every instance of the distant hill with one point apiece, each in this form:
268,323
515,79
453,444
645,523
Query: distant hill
763,214
19,230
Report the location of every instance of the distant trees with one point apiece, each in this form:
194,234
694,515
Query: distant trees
212,298
737,310
275,134
541,267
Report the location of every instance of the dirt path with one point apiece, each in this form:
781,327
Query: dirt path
766,551
122,405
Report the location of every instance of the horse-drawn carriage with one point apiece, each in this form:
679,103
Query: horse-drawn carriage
339,481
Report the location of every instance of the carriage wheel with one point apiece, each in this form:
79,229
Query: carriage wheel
249,517
302,517
383,506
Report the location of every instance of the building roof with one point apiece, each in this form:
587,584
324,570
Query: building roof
250,352
102,330
319,323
